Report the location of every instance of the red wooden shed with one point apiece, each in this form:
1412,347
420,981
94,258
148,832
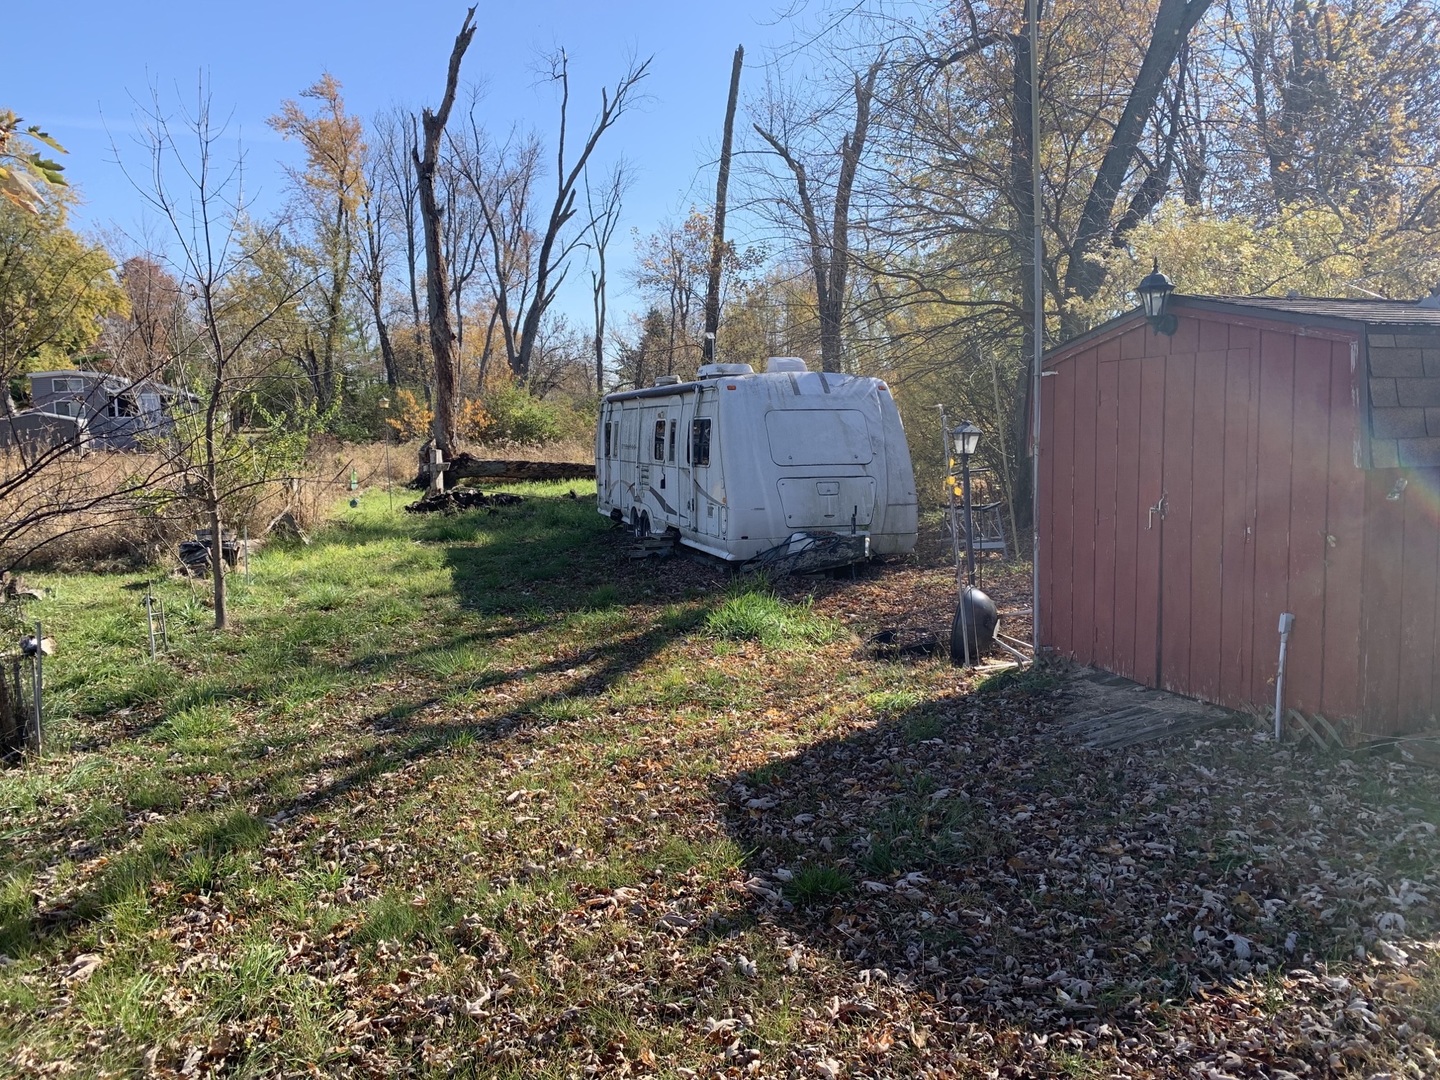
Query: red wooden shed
1273,455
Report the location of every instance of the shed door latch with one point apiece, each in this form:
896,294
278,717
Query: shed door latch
1158,508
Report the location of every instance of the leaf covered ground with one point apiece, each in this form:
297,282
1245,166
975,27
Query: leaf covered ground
480,795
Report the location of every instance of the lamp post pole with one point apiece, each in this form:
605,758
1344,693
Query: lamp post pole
969,524
384,404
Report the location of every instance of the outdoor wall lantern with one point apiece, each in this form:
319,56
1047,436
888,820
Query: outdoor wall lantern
1154,291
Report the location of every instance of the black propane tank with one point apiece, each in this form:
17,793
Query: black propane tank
976,621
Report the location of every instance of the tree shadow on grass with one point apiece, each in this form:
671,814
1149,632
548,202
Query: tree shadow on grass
428,711
401,737
965,850
408,740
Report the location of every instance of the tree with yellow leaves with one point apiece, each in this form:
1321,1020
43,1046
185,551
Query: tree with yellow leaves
325,196
27,176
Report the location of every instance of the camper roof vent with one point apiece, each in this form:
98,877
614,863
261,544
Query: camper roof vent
666,380
785,363
720,371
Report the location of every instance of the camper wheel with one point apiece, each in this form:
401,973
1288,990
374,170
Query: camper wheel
640,522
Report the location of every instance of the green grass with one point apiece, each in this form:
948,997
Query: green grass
818,884
445,782
749,613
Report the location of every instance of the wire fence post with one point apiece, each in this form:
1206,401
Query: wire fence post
150,622
37,735
164,629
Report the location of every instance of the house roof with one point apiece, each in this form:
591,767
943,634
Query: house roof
101,376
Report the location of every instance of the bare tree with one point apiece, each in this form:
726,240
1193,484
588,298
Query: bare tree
442,336
199,198
373,253
554,249
603,207
829,242
502,179
464,237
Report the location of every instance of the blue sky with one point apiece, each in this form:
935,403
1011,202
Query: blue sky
77,69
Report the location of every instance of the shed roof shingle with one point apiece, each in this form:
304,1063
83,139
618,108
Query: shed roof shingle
1389,312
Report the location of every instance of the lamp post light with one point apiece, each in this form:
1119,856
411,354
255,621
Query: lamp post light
1154,291
976,618
965,438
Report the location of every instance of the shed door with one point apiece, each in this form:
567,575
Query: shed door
1193,497
1189,419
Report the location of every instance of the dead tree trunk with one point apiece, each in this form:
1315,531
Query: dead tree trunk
437,288
717,240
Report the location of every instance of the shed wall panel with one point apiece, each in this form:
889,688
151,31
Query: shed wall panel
1151,453
1309,469
1213,335
1208,525
1128,511
1272,508
1063,559
1237,560
1345,546
1049,576
1176,538
1082,617
1106,483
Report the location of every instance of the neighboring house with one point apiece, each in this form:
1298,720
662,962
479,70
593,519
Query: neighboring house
35,432
119,414
1275,455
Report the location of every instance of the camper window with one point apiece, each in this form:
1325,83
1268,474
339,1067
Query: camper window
700,442
659,440
607,439
121,405
67,386
673,425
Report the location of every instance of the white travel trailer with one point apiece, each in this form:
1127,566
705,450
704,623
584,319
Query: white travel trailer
738,463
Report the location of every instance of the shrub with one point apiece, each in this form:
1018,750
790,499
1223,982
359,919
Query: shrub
516,416
410,417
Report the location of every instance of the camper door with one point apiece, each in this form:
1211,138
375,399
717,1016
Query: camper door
702,455
658,452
